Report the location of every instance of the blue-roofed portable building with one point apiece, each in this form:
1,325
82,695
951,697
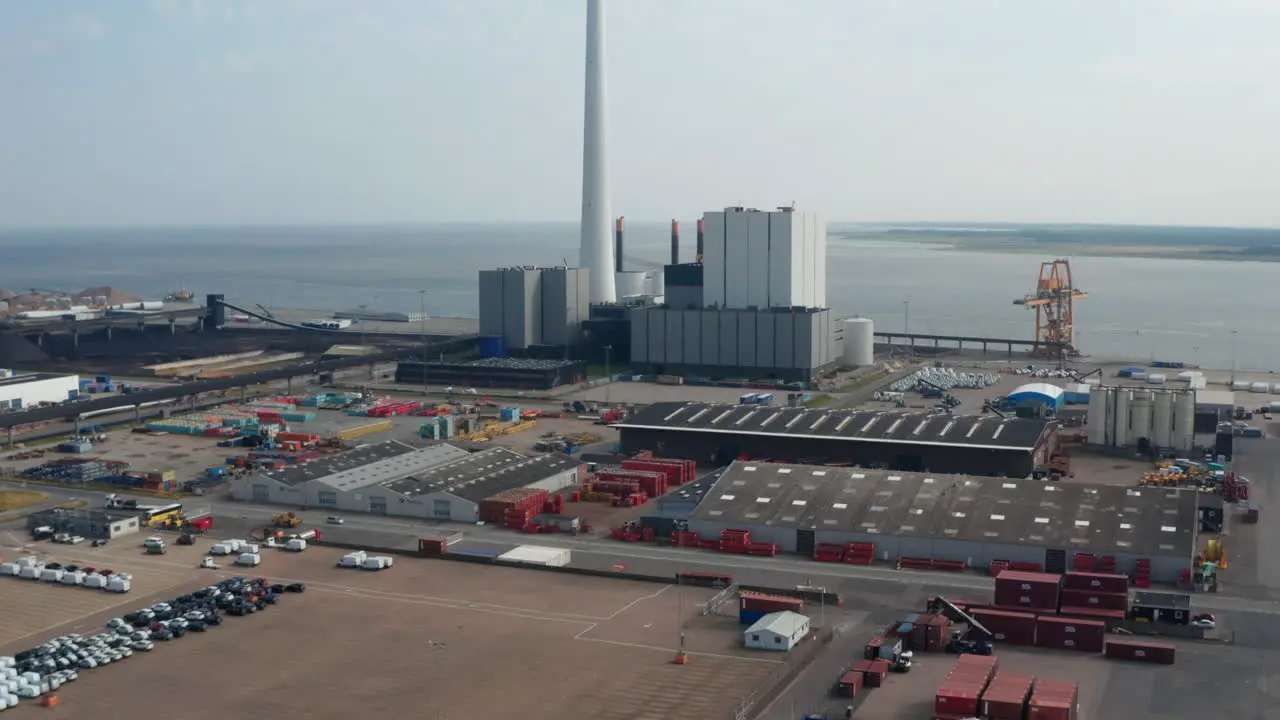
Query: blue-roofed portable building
1040,394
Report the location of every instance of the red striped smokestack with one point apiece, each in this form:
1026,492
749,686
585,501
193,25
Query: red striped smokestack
702,233
617,245
675,242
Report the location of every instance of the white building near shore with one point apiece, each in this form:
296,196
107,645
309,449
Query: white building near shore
19,391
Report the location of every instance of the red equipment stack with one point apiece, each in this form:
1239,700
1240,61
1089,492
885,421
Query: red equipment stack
958,696
678,472
825,552
555,505
630,487
510,504
1095,594
1035,592
734,541
1142,575
1006,697
859,553
1061,633
1053,700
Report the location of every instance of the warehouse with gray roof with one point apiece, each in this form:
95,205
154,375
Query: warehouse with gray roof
909,441
439,481
974,520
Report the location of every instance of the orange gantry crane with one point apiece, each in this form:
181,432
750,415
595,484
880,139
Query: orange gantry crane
1054,303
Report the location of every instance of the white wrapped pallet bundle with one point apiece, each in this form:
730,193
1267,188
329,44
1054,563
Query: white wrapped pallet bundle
538,555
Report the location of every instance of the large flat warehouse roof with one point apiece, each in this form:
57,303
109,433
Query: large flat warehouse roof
989,432
483,474
1071,516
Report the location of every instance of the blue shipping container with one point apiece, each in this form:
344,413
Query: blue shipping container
492,346
750,617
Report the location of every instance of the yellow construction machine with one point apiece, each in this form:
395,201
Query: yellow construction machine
286,520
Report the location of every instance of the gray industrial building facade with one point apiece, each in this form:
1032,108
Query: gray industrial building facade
782,343
534,306
973,520
911,441
91,524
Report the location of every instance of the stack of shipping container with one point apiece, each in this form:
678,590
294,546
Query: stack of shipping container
1061,633
1091,594
1006,697
1031,592
1053,700
1008,626
960,692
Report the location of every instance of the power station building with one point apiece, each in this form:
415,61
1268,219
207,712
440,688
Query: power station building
790,344
756,259
918,442
973,520
530,306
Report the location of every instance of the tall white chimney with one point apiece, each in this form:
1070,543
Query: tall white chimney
597,245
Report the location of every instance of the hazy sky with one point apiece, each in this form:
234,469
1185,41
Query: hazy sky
235,111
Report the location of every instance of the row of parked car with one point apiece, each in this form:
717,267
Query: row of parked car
43,669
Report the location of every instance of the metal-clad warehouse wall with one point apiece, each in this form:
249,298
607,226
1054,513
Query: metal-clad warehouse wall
782,343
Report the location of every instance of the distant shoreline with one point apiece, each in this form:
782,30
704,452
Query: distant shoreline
973,243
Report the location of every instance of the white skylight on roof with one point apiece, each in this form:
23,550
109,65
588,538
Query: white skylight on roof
798,502
728,497
859,476
1042,521
819,473
957,514
1168,528
894,478
784,471
762,500
997,517
1009,486
749,468
1082,523
1126,526
839,506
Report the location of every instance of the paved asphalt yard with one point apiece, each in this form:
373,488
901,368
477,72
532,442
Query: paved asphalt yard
1232,678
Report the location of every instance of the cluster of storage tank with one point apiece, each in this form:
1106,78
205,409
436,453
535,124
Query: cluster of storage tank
1121,417
1255,387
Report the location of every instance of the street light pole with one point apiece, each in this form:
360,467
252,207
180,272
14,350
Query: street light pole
608,375
1234,356
422,303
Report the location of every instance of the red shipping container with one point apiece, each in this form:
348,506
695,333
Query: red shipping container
1097,582
1027,590
770,603
1095,599
1053,700
872,649
1012,627
1092,613
959,702
674,472
876,673
1139,651
1070,634
850,684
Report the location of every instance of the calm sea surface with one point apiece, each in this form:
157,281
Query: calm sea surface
1139,308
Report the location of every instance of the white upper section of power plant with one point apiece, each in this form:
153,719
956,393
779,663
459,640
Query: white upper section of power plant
757,259
597,244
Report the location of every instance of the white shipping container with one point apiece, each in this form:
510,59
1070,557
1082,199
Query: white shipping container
1239,384
355,559
1260,387
1156,379
538,555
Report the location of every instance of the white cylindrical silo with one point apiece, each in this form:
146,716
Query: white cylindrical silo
1184,421
629,283
655,283
859,342
1162,420
1120,433
1096,420
1140,417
